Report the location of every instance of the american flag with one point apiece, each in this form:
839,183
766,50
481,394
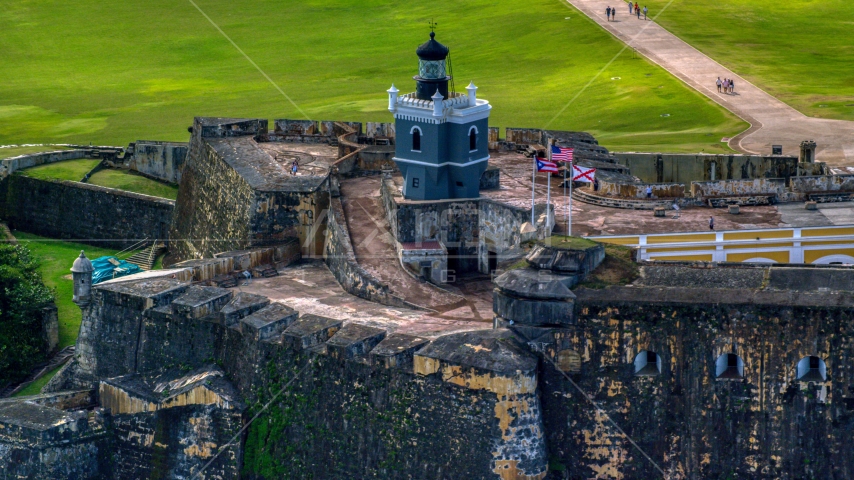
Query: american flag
561,154
545,165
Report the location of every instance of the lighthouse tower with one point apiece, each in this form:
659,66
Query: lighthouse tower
441,136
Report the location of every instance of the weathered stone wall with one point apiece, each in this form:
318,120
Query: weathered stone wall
375,158
454,223
499,229
467,407
233,196
9,166
767,425
84,212
213,210
823,183
470,230
619,186
341,260
722,188
491,178
687,168
436,260
174,443
40,440
160,160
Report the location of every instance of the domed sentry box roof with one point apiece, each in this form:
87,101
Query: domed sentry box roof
82,264
432,50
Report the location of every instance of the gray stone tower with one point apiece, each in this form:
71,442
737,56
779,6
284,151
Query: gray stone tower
441,144
81,273
807,151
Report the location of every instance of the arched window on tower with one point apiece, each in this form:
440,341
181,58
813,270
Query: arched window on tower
416,139
729,367
647,364
812,369
472,139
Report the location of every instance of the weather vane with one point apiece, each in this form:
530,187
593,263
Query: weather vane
433,25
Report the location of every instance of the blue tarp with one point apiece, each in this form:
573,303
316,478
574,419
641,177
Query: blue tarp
104,270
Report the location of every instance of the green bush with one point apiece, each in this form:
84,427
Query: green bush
22,297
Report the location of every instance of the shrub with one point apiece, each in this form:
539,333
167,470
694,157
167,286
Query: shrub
23,295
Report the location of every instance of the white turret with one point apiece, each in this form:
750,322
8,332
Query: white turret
437,103
472,94
392,98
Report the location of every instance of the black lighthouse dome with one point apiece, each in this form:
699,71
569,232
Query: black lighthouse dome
432,50
432,74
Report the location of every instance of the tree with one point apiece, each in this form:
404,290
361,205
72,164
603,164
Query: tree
23,295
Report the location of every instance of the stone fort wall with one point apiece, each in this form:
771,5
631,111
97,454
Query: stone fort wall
84,212
353,401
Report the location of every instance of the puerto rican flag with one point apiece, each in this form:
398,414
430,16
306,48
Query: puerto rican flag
561,154
545,165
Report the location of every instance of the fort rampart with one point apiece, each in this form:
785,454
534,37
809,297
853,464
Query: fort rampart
80,211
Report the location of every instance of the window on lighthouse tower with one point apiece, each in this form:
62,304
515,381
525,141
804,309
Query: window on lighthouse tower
416,139
472,139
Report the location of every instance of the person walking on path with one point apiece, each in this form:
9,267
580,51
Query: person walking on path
645,10
614,14
731,86
648,191
637,11
630,8
636,7
608,13
711,223
719,83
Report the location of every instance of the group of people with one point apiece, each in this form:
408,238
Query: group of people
726,85
611,13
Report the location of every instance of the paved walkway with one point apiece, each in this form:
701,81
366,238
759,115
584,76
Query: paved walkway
773,122
374,246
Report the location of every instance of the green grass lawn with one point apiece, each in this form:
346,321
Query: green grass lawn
131,182
114,72
55,258
73,170
35,388
800,51
10,152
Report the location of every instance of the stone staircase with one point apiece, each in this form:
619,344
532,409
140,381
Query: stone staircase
59,358
146,257
583,195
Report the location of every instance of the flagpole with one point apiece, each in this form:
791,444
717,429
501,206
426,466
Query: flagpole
533,184
549,187
569,208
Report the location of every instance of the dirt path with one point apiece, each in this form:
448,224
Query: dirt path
772,121
374,246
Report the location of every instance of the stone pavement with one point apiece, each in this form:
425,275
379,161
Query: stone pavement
374,246
772,121
310,288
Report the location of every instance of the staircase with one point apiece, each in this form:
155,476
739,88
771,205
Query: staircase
632,204
146,257
59,358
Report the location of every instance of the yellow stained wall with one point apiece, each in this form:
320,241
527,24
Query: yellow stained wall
811,256
779,256
690,237
698,258
761,235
